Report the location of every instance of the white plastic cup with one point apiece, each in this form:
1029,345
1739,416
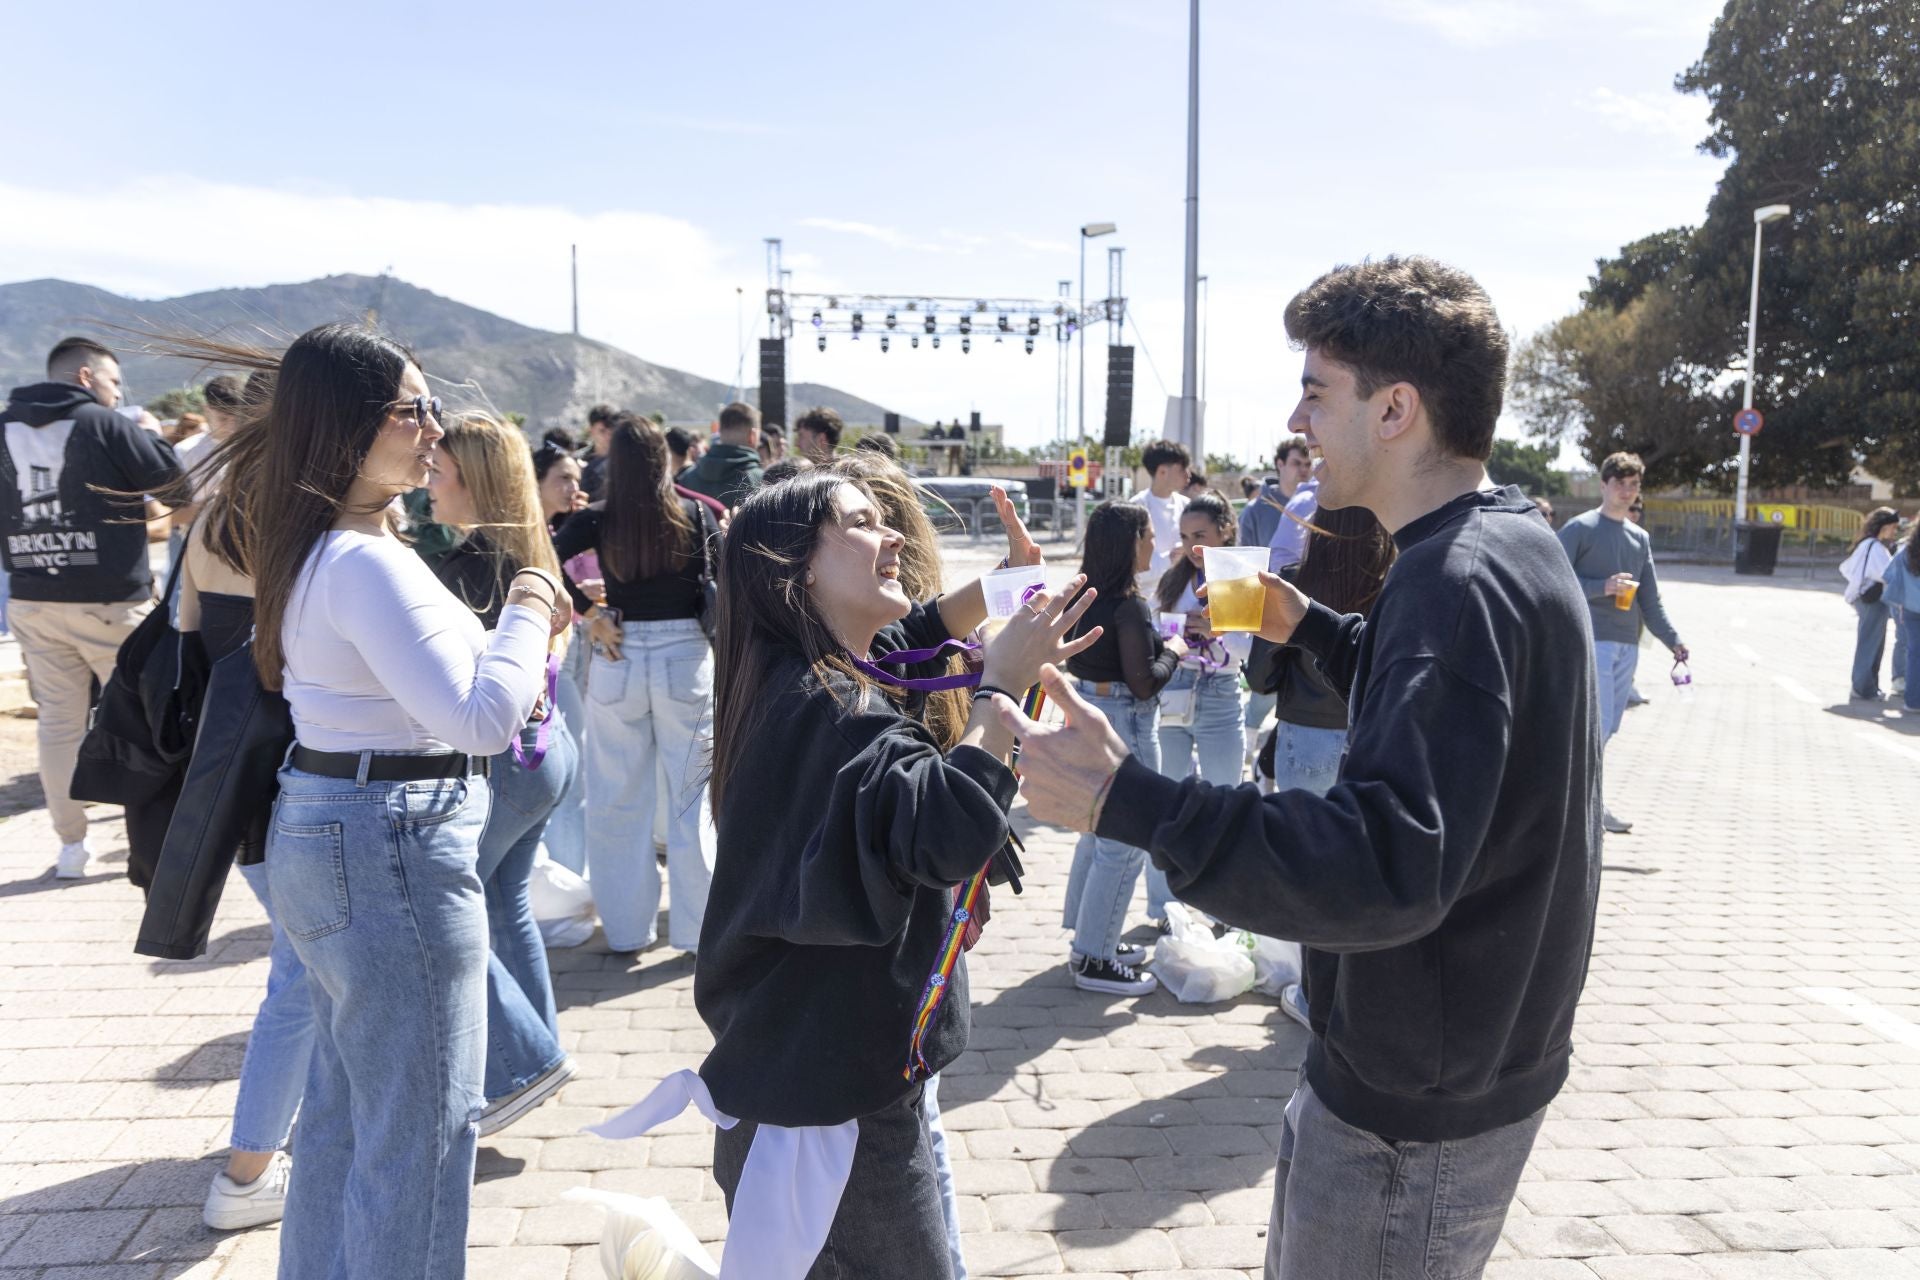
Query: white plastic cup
1237,610
1006,589
1172,624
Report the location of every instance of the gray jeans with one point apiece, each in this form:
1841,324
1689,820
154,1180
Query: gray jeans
1350,1205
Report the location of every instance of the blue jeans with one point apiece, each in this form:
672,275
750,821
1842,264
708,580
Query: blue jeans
523,1031
1100,885
646,713
274,1073
1614,662
1367,1206
1869,646
1259,707
943,1174
376,886
1216,740
1306,758
1911,667
566,837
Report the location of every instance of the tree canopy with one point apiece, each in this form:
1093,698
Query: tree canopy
1814,104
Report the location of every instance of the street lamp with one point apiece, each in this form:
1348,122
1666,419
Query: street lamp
1761,217
1087,233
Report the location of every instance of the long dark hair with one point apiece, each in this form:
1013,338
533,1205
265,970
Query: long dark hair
766,610
644,531
1106,556
1347,557
1913,548
1179,574
1877,519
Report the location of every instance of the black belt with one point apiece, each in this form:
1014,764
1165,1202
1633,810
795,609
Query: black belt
388,768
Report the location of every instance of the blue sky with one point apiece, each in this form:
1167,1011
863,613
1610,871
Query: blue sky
910,148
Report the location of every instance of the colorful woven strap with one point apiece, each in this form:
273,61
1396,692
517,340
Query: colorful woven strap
966,903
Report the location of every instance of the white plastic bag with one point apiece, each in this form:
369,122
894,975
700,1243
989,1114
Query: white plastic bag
1276,964
1194,966
644,1239
562,904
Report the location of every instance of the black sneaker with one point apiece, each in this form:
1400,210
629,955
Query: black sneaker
1113,977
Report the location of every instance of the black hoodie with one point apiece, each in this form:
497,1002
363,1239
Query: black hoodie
1445,887
64,540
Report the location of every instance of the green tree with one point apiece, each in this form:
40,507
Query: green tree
1528,465
179,400
1816,104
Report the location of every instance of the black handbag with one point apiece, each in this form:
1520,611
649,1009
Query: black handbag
709,583
225,805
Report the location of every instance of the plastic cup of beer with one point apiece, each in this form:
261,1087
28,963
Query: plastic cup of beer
1235,598
1623,599
1007,589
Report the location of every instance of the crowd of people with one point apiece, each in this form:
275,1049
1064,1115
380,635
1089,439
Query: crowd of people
740,661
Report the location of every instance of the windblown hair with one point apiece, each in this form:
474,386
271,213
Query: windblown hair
1913,548
1179,575
1417,321
920,572
645,531
497,470
1347,557
766,611
1877,519
1106,556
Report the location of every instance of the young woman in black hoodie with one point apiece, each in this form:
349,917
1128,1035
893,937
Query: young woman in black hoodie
832,899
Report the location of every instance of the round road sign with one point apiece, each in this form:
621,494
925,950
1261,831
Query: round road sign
1748,422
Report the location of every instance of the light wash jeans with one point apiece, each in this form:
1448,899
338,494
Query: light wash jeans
1870,645
376,886
523,1030
943,1174
1259,707
1366,1207
1614,662
1306,758
566,836
274,1072
1911,668
649,709
1216,741
1100,884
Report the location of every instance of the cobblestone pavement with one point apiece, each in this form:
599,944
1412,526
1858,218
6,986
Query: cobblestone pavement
1745,1100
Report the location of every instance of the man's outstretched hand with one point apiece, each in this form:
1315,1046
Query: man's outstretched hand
1064,769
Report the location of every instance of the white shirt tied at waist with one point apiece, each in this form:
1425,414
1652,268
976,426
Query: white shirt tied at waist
789,1191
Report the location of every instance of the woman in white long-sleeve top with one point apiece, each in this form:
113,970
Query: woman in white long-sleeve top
398,697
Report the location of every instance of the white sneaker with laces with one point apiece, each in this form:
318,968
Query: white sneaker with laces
1617,826
232,1205
72,863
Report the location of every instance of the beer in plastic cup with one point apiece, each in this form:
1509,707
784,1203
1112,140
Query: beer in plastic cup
1623,599
1235,598
1007,589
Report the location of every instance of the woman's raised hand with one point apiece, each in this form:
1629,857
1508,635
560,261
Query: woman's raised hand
1021,548
1036,634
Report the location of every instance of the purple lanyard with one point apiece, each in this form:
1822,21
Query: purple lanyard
929,684
544,737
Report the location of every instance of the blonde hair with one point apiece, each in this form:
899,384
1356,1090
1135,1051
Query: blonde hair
496,467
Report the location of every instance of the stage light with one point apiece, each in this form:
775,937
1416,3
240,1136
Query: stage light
966,345
966,324
1029,346
929,324
816,317
915,340
1004,326
999,337
858,323
823,342
936,342
891,321
883,342
1033,326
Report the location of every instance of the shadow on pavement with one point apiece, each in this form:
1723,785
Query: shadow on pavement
1888,715
147,1212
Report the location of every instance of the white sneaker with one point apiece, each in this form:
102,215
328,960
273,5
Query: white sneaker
232,1205
1899,685
72,863
502,1112
1617,826
1293,1003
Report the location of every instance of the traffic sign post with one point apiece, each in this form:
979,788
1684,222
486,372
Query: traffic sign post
1748,422
1077,481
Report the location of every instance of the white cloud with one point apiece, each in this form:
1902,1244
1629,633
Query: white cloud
882,235
1662,114
1479,24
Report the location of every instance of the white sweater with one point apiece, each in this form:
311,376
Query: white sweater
380,656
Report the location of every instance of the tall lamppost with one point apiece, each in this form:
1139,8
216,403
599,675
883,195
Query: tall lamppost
1087,233
1761,217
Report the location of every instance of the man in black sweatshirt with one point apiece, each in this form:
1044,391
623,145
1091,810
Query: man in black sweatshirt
77,555
1445,888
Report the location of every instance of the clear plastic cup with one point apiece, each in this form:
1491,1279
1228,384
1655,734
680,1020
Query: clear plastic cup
1623,599
1235,598
1171,624
1008,589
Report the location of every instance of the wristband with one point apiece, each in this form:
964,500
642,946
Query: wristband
541,574
988,690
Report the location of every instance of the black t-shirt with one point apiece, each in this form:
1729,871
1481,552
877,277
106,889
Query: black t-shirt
1129,651
657,599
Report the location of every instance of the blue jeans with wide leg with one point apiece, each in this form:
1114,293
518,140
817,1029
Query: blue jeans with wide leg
1100,883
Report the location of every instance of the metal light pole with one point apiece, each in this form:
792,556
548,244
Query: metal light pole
575,251
1088,232
1761,217
1190,357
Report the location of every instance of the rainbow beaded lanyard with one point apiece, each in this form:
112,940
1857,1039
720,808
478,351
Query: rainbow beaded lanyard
966,903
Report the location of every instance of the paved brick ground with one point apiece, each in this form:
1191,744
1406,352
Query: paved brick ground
1746,1099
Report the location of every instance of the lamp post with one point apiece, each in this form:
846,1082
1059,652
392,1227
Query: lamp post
1088,232
1761,217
